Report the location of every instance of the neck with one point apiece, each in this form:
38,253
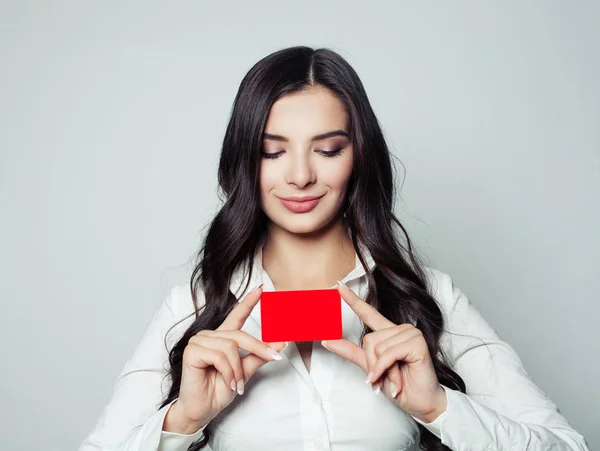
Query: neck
316,260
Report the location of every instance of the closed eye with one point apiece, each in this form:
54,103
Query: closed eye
325,153
271,155
330,153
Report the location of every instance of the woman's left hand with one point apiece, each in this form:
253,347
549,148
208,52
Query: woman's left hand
397,360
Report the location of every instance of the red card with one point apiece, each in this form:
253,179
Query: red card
301,315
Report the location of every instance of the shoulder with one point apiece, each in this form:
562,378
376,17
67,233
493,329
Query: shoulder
443,289
460,315
179,299
440,284
180,304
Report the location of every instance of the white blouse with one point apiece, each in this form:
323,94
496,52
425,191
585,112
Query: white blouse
286,407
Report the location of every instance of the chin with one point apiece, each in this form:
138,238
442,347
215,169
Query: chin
302,229
302,223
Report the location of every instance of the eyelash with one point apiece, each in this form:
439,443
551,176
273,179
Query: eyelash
326,154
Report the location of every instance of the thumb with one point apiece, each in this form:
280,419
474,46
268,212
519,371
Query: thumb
347,350
251,363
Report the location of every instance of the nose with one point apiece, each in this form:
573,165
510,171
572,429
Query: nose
300,171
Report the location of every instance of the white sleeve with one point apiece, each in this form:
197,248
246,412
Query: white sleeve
132,420
503,409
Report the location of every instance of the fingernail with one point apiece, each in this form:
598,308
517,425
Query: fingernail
378,390
274,354
341,283
368,379
240,387
232,385
257,287
394,389
324,344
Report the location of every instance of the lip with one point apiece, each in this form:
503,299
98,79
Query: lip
300,199
300,204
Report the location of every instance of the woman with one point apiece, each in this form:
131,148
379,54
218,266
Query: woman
308,187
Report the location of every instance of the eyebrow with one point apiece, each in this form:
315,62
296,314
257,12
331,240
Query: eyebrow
314,138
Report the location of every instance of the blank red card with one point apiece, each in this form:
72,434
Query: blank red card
301,315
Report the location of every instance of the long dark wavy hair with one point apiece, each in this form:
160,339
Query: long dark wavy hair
397,285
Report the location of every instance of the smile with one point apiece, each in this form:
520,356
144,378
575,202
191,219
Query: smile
300,204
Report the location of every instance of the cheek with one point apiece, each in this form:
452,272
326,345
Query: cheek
267,179
339,178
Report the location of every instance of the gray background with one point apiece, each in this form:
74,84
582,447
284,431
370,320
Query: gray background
112,115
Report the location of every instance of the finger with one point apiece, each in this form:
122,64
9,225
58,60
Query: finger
394,380
385,386
370,316
378,386
229,348
240,313
408,352
252,363
248,343
201,357
348,350
389,388
372,341
384,341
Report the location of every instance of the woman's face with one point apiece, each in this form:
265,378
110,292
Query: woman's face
307,153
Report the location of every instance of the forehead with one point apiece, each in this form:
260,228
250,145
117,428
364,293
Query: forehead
307,113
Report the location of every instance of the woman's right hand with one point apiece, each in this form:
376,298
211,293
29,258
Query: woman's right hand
213,372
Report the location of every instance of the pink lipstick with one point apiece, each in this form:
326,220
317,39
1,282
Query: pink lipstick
300,204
